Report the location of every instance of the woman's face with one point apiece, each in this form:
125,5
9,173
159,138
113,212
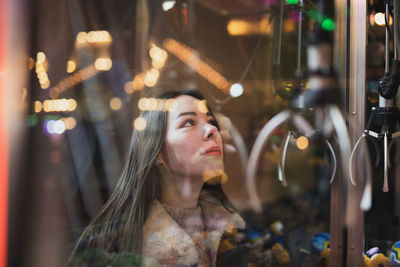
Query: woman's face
193,143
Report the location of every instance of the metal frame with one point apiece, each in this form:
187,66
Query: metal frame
356,105
338,186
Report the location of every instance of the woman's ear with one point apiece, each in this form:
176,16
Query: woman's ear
160,160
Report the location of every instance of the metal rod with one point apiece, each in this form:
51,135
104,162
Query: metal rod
299,38
387,38
396,28
278,53
383,102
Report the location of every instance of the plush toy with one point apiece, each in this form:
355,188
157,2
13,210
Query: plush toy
281,254
326,254
318,241
376,260
395,253
277,228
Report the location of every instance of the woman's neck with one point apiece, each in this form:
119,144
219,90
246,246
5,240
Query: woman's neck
180,191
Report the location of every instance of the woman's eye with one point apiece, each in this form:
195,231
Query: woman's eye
187,123
213,122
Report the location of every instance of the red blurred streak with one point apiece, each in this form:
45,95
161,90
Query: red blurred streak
4,5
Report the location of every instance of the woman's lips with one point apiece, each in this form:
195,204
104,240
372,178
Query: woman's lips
213,151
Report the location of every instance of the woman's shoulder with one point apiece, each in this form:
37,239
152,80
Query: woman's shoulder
164,241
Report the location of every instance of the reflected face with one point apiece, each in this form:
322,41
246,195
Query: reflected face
193,143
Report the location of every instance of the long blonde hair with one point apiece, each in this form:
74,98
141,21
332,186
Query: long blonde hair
126,211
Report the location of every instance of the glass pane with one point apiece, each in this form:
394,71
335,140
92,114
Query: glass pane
118,172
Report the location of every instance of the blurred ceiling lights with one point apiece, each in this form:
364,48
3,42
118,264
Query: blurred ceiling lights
167,5
237,27
190,57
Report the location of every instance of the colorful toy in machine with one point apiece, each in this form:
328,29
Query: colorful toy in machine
319,242
395,253
376,260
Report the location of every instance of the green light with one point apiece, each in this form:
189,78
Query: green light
292,2
52,117
32,120
328,24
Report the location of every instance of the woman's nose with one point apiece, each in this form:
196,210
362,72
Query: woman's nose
209,130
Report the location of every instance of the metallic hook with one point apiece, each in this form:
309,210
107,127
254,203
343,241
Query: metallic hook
362,137
255,155
334,160
340,127
281,166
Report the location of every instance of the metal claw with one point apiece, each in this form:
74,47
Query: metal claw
255,155
362,137
366,199
385,163
340,127
367,194
281,166
334,160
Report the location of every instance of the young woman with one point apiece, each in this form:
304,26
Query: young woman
162,209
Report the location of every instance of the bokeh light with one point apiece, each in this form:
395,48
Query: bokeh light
151,77
40,57
138,82
41,68
236,90
153,103
128,87
103,63
55,126
170,104
159,104
167,5
143,104
69,122
56,105
71,66
72,104
328,24
82,37
31,63
32,120
140,123
302,143
202,106
59,127
93,37
191,58
379,19
115,103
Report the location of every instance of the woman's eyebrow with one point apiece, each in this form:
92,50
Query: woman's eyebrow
192,113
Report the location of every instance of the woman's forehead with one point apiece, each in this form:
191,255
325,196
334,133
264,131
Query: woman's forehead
185,103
